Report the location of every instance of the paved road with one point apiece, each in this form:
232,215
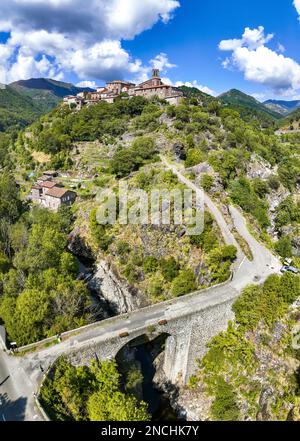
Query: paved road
25,373
16,391
227,234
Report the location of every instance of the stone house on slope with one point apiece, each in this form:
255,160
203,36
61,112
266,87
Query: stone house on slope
49,194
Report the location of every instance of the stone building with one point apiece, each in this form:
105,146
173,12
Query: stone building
118,87
49,194
114,89
56,197
155,87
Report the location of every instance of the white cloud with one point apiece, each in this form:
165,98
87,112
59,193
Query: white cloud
162,62
90,84
259,96
252,38
297,6
260,64
281,48
194,83
58,36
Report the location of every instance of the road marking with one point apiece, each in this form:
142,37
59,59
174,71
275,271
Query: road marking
3,417
242,262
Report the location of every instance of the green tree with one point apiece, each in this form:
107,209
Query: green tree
194,157
207,181
169,268
284,247
184,283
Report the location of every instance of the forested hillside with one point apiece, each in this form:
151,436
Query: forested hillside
249,108
23,102
44,92
16,111
234,159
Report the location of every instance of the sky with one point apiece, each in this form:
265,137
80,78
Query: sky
214,45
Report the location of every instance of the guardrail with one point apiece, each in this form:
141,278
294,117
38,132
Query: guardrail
65,335
3,338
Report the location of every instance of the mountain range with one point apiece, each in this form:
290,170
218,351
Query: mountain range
282,107
24,101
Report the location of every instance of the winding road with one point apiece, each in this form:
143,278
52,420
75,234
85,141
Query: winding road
20,377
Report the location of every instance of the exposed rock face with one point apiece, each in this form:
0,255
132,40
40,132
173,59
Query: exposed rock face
259,168
120,296
296,246
164,119
190,405
274,199
78,246
203,167
179,151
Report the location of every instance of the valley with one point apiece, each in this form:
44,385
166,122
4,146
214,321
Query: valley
250,177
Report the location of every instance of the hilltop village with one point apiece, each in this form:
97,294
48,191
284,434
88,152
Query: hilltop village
117,88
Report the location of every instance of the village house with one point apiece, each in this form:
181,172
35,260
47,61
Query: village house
114,89
49,194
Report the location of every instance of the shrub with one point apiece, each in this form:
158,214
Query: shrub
99,232
125,161
123,248
169,268
224,407
151,264
273,182
194,157
184,283
131,273
207,181
284,247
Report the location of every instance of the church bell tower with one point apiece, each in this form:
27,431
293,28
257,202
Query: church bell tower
155,73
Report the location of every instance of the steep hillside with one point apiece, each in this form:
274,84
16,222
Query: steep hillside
249,108
292,120
193,92
44,92
16,110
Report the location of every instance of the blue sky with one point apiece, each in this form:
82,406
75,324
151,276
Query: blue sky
209,43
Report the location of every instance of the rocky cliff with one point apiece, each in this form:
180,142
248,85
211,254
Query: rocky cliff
118,294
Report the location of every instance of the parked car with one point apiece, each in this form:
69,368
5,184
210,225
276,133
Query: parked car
289,269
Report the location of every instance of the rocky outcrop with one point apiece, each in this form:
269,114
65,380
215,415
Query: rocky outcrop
179,151
296,246
259,168
190,405
78,245
118,294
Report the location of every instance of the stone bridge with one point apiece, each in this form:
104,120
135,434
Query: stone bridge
189,323
186,343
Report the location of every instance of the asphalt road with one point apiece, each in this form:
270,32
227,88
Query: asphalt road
16,392
20,376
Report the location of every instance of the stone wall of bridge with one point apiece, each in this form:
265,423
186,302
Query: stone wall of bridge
187,341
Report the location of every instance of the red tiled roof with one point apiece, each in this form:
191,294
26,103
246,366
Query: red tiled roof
57,192
48,184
